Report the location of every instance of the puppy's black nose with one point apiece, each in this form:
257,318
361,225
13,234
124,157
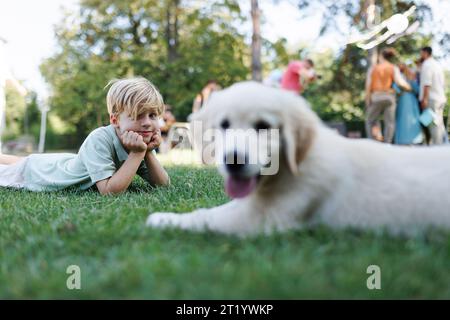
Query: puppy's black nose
235,162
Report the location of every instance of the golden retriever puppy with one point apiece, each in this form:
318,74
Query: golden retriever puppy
312,175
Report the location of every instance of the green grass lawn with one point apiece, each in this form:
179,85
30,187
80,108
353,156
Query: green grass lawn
41,234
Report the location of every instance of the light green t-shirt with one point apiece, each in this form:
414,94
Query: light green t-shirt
99,157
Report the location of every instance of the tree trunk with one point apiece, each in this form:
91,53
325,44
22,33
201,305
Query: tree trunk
172,30
256,42
373,53
372,56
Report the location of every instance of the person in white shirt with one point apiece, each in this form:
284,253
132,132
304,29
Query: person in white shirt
432,93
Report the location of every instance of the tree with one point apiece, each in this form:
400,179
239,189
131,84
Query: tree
256,41
177,44
15,109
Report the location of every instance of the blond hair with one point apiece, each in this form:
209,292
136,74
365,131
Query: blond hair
133,96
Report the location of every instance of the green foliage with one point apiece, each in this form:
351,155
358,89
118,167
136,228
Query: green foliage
175,44
180,44
339,94
32,116
276,55
15,109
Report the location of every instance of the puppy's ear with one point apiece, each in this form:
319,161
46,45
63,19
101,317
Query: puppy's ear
298,135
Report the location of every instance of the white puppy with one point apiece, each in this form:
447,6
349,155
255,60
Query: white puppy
322,178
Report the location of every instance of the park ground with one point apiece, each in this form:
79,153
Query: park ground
41,234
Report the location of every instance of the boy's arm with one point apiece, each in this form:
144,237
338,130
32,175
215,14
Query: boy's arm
120,180
157,176
155,173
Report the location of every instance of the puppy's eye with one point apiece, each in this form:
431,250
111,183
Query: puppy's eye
225,124
262,125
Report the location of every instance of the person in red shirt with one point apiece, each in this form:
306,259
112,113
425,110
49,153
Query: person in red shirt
297,75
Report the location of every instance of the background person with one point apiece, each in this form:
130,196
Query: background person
203,96
408,129
380,96
298,75
432,94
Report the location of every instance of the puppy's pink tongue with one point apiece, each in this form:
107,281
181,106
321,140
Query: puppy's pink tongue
239,187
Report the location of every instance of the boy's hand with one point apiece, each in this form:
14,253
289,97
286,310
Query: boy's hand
133,142
155,141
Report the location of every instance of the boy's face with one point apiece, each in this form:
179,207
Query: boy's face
146,124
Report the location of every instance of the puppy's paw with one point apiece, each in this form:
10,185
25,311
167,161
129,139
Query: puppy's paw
162,220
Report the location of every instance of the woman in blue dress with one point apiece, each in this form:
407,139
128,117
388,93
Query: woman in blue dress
408,130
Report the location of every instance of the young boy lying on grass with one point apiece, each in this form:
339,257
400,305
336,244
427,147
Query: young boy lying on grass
109,157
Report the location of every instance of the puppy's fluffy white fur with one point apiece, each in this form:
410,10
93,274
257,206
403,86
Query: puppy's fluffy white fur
323,178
